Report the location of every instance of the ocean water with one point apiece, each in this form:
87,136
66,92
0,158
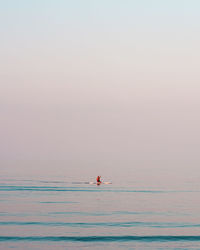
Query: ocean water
49,213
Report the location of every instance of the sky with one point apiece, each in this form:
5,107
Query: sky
91,87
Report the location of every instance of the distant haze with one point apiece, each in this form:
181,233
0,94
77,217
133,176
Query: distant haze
99,87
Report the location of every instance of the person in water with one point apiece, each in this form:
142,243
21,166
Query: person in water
98,178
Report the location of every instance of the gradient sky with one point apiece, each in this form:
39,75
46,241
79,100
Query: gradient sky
105,87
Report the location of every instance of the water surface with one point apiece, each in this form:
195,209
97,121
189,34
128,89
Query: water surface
44,213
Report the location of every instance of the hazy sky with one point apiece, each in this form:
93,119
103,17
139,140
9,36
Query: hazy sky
99,86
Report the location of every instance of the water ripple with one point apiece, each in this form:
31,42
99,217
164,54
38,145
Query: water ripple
101,224
155,238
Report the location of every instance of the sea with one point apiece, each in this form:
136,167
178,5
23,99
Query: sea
62,213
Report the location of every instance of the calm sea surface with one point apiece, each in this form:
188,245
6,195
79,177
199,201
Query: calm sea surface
49,213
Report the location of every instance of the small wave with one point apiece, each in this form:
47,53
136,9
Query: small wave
101,224
91,214
58,202
156,238
74,189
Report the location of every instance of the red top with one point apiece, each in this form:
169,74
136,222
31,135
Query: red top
98,178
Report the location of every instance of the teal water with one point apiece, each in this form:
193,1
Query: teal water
55,213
